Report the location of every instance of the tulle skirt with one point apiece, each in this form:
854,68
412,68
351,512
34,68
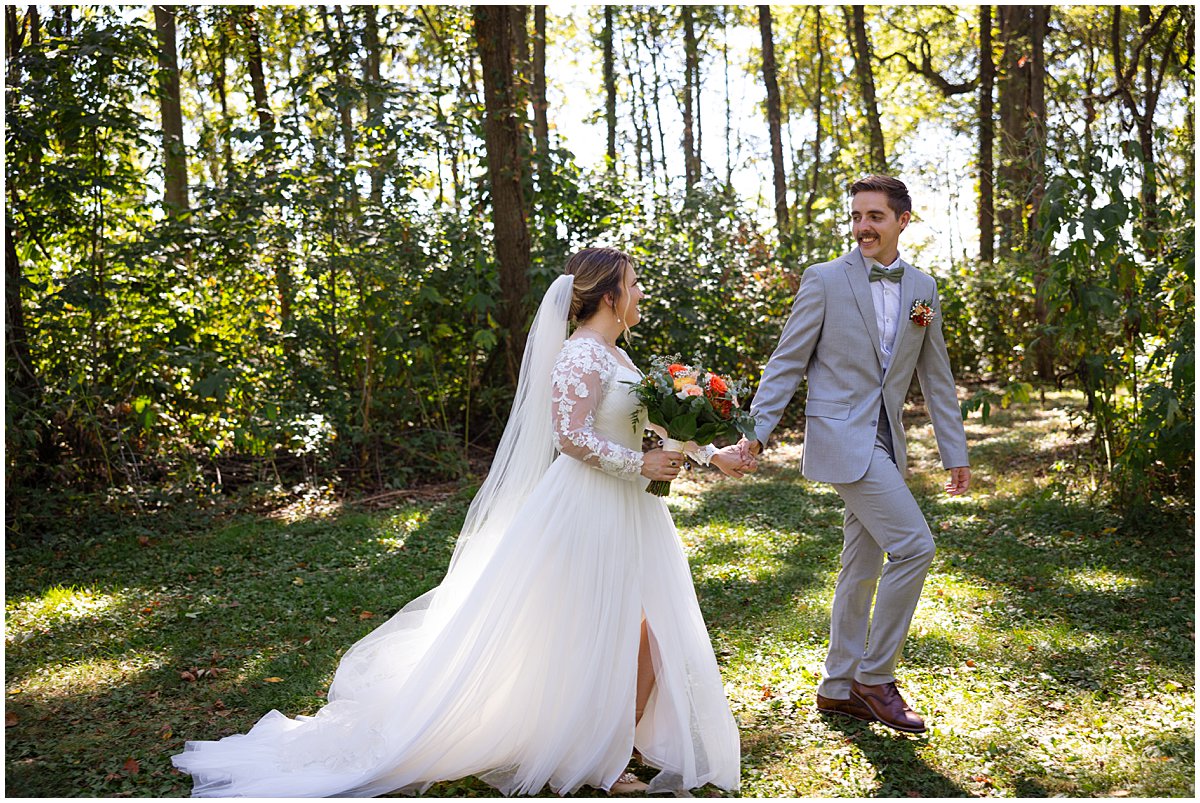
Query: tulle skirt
520,668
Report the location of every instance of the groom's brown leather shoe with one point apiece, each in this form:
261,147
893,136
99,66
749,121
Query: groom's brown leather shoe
888,706
851,708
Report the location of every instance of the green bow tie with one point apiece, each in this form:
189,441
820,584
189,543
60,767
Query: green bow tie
879,272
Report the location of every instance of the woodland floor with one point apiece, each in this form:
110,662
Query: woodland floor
1053,652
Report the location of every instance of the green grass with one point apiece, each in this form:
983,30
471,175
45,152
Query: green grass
1053,651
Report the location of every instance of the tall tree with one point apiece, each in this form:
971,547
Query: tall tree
987,79
175,195
541,122
20,376
610,88
857,30
1020,174
1152,58
258,81
371,74
774,119
493,37
691,69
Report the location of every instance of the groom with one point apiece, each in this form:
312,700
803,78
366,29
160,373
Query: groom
860,326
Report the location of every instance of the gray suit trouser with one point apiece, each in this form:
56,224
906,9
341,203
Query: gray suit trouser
881,518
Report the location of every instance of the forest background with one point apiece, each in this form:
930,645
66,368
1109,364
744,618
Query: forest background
296,247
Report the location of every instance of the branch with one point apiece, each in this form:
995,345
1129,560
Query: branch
947,88
1124,77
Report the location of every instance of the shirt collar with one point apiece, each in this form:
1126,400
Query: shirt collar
870,261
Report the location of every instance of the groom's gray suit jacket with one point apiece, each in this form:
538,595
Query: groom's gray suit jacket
832,337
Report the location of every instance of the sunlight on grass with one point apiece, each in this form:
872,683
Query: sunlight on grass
58,605
395,530
1097,580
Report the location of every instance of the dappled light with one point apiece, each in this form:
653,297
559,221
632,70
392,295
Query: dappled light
270,274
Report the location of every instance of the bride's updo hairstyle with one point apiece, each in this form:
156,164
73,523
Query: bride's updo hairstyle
598,272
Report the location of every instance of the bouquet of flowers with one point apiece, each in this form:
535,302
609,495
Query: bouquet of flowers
692,405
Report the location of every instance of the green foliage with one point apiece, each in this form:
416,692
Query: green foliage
1123,316
328,306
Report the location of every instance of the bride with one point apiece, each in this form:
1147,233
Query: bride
566,633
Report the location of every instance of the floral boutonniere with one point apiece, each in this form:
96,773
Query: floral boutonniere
921,312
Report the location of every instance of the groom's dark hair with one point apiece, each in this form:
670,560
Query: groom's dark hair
898,198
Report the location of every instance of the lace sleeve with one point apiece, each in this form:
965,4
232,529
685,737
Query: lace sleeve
702,454
577,385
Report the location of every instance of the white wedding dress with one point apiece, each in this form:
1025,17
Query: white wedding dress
520,668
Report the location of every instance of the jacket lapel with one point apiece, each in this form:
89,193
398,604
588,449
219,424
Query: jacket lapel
908,289
856,272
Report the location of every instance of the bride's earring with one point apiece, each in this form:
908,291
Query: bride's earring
621,320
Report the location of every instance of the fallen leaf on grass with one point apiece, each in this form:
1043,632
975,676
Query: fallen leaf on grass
10,719
767,694
299,581
272,680
188,676
366,615
131,766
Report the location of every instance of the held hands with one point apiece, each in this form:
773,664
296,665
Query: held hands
734,461
960,480
750,450
659,464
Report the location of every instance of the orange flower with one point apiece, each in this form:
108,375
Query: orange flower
675,369
717,393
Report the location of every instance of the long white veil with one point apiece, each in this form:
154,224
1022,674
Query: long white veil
526,449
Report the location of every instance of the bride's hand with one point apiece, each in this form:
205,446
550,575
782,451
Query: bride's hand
733,461
659,464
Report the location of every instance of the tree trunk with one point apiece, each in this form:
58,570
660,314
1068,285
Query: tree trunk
371,65
18,364
818,103
691,170
728,105
610,89
652,46
987,78
639,113
1020,188
774,118
522,93
541,123
493,35
856,22
221,81
341,45
1039,28
1014,175
258,83
175,195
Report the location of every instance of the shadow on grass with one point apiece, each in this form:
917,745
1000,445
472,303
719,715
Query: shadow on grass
1102,604
899,770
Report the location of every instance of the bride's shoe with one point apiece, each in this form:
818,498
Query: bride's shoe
627,784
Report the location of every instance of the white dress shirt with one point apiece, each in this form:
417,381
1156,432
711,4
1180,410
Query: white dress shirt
886,296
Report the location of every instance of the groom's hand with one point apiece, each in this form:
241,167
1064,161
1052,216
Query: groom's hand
960,480
733,462
751,449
